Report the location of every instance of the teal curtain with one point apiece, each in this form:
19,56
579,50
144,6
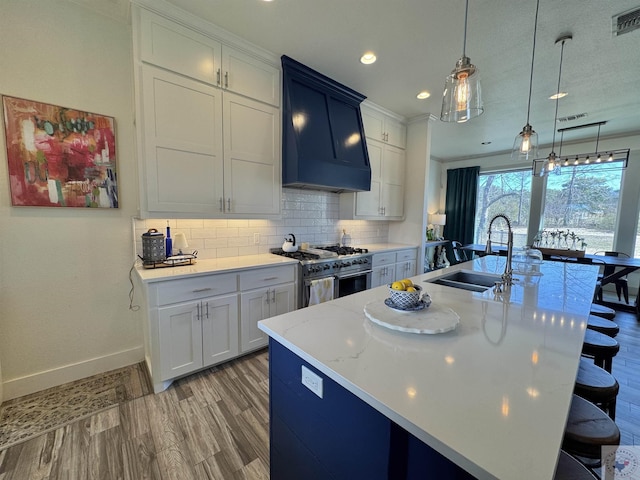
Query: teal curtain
460,206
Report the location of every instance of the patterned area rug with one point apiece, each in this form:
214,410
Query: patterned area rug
26,417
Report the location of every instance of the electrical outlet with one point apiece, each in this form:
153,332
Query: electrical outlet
256,239
312,381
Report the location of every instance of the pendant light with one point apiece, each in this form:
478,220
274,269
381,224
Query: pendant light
525,146
462,98
552,163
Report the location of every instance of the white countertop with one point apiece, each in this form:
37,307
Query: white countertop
221,265
492,395
207,267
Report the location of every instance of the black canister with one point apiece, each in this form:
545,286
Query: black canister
153,247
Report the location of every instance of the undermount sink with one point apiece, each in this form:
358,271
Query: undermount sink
467,280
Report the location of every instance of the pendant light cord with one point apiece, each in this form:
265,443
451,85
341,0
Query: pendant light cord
555,119
464,38
533,56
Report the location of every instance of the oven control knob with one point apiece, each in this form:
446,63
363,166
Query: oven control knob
357,262
347,264
366,260
326,267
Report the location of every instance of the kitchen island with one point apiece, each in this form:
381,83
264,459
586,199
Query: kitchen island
489,399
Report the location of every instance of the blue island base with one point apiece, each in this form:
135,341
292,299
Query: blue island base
339,436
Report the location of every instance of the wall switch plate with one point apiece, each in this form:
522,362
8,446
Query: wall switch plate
312,381
256,239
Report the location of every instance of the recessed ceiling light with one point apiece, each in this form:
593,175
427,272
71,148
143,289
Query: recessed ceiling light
423,94
368,58
558,95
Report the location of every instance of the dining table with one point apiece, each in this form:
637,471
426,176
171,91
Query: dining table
623,265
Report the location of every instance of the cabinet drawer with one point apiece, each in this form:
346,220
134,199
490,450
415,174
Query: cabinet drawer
405,255
264,277
193,288
380,259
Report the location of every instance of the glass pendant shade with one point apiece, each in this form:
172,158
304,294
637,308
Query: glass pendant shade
525,146
462,97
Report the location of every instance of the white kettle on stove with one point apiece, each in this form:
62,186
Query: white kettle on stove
289,244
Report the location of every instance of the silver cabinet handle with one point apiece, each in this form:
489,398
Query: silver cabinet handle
198,290
269,278
226,79
198,311
218,77
228,204
221,204
273,295
207,309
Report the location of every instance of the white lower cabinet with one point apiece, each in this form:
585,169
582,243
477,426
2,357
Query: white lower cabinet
197,322
393,265
272,293
197,334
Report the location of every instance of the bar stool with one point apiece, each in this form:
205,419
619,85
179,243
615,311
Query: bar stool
588,430
601,348
602,311
603,325
598,386
570,468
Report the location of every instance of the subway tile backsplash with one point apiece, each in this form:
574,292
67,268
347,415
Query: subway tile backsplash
312,216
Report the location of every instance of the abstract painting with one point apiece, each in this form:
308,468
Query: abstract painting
59,157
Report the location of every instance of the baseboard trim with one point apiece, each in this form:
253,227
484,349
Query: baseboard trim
19,387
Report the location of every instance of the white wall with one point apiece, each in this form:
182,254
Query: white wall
64,271
64,286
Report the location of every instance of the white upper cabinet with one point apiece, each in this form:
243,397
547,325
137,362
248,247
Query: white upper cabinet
169,45
183,50
183,165
208,123
383,128
250,77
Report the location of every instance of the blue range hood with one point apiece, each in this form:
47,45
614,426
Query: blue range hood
323,141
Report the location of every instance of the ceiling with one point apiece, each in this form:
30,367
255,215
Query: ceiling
418,42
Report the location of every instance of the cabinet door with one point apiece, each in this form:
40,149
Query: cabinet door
396,132
284,300
250,77
254,306
393,180
369,203
383,275
405,269
373,124
252,177
180,49
183,143
180,339
219,329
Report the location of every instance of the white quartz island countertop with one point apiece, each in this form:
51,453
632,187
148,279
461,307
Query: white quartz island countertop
492,395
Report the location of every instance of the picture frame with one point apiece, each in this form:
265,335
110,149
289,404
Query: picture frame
59,156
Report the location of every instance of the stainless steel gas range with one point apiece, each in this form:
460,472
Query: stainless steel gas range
348,268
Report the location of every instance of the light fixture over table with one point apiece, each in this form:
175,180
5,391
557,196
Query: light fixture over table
525,146
552,163
462,97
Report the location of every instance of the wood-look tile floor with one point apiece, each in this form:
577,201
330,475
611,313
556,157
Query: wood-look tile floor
215,425
210,425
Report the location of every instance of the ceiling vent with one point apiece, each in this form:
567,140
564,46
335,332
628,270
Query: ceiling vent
571,118
626,22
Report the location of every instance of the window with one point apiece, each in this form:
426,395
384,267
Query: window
506,192
584,200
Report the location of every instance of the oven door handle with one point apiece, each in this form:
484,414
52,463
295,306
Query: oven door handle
357,274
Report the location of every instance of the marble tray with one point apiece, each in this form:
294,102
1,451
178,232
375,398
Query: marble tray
431,320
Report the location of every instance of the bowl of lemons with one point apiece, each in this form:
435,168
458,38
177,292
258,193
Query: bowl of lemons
404,294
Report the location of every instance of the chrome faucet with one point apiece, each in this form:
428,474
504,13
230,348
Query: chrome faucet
507,275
